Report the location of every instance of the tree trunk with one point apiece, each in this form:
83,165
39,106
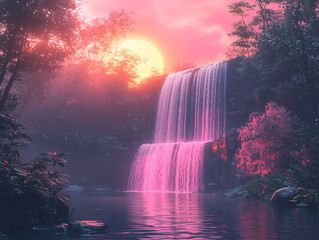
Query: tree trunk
3,70
7,89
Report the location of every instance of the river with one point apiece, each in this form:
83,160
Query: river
189,216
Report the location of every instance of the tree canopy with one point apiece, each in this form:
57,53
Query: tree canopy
276,32
35,34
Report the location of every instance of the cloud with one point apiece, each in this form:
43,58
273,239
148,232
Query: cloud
186,30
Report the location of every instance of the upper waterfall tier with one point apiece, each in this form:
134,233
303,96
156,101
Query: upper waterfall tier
192,105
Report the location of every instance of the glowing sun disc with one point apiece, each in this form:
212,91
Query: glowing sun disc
147,51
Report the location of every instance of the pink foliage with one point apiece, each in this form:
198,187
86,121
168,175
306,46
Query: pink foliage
263,140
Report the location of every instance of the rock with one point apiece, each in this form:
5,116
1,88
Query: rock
75,188
59,228
62,228
3,236
235,192
41,229
74,228
283,196
89,227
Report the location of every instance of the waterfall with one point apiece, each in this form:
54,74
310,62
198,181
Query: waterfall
191,114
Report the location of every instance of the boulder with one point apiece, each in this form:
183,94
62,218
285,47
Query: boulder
237,191
88,227
283,196
3,237
51,229
74,228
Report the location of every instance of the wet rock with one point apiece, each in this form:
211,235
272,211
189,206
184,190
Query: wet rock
89,227
237,191
74,228
3,236
75,188
283,196
62,228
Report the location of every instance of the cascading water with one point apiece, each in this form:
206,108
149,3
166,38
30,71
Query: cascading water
191,113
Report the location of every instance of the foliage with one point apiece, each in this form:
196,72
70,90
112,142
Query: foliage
35,34
303,167
263,141
29,191
277,150
99,47
243,31
278,34
294,38
262,188
100,37
33,87
263,93
123,66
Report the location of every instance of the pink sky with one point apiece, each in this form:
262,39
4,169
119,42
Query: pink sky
191,31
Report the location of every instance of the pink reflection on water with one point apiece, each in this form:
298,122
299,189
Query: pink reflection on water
169,215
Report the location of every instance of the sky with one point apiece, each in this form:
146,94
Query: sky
184,31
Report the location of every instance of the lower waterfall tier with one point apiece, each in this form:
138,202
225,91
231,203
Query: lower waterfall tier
168,167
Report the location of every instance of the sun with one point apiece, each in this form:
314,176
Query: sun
151,55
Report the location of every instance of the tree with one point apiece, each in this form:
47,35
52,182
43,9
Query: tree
264,141
293,38
281,32
255,17
99,47
123,66
101,37
243,31
30,192
34,86
35,34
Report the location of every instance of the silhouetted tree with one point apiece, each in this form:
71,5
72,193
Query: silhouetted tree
281,32
35,34
99,47
244,32
293,38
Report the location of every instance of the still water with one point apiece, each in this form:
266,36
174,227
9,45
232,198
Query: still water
190,216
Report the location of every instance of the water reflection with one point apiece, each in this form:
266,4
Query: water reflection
169,215
199,216
254,224
188,216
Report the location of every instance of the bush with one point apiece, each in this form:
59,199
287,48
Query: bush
29,191
277,150
264,141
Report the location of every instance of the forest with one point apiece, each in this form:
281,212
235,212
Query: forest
278,146
73,111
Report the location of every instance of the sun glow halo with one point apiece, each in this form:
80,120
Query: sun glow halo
147,51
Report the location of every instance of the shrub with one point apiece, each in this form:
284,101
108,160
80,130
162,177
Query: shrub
264,141
29,191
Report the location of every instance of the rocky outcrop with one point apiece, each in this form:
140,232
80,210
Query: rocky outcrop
283,196
88,227
3,237
295,197
237,191
74,228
